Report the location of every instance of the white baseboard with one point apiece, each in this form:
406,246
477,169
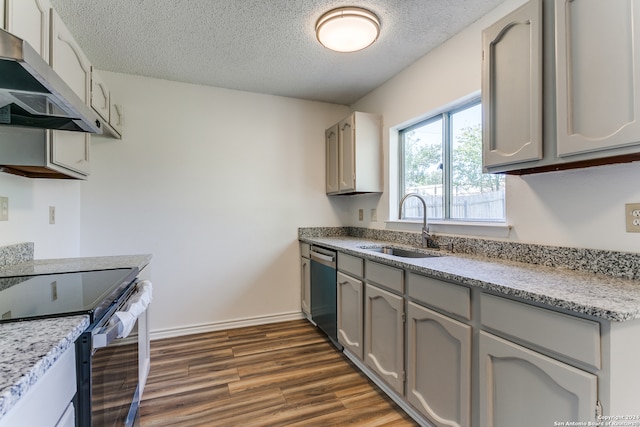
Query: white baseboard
221,326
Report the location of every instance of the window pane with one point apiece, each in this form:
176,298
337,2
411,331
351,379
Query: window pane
474,195
423,169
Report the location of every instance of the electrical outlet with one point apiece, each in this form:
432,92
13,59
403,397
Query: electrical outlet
52,214
360,214
374,215
632,214
4,209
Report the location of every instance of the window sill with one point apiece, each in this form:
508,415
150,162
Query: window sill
467,228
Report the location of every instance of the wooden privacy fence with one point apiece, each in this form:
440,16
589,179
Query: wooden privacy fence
489,205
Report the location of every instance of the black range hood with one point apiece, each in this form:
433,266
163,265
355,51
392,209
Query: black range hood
33,95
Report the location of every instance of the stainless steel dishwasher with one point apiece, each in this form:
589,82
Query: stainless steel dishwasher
324,292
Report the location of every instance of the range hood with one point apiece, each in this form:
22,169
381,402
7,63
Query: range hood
33,95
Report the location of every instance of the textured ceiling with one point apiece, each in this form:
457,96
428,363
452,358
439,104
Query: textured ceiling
263,46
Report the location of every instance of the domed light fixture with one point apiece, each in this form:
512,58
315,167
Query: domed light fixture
347,29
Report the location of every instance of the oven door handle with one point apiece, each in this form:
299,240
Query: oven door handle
122,322
105,337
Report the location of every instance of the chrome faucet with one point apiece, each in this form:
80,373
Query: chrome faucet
426,237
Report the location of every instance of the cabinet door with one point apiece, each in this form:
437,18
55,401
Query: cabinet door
519,384
331,145
512,87
100,96
383,338
305,281
598,79
439,367
350,302
347,153
29,20
70,150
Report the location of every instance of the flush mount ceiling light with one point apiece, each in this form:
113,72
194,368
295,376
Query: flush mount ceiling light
347,29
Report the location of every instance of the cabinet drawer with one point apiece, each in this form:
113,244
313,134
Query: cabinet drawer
384,275
573,337
449,297
304,250
350,264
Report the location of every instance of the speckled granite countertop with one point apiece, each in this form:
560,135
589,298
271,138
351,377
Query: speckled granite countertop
597,295
29,348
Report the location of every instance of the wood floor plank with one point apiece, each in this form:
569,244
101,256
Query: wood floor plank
283,374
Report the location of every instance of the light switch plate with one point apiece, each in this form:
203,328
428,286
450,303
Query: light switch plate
4,209
632,215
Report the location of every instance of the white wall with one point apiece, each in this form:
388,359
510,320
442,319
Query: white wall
583,208
29,201
214,183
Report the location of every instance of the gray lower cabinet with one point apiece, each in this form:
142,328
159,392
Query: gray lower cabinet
305,289
383,338
305,279
456,356
439,366
521,387
350,316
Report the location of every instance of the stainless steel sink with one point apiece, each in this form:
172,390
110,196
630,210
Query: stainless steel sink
403,253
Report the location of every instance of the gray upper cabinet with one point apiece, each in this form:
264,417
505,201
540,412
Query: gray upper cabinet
354,155
38,152
598,101
558,94
29,20
512,87
103,103
70,150
331,146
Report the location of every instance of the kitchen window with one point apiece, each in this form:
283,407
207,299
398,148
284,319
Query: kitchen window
441,159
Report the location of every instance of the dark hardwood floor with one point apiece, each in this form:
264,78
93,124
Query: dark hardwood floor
282,374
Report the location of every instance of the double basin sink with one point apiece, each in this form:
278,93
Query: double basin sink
400,252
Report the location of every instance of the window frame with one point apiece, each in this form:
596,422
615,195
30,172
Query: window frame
445,115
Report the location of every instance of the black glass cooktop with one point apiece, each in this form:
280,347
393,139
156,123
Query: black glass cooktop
62,294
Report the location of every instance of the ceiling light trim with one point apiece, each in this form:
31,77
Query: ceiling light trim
348,29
